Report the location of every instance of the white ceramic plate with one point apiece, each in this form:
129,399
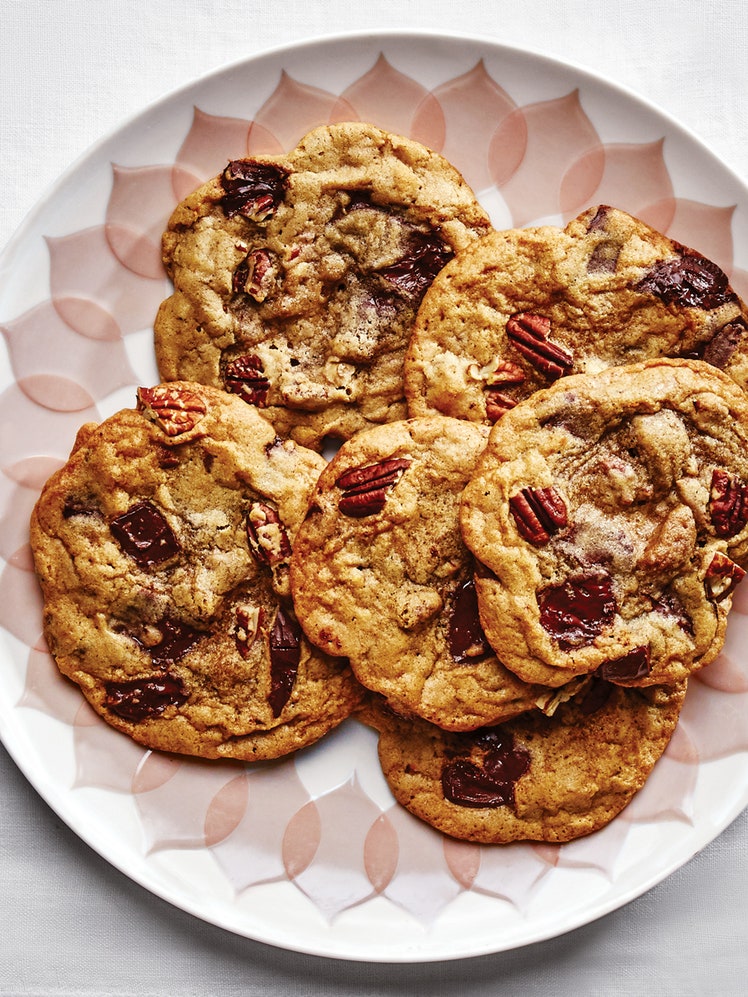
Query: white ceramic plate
312,854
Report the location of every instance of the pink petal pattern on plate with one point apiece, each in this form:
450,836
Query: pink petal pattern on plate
336,878
105,758
511,872
423,883
385,97
290,112
458,119
29,431
631,177
559,135
210,143
16,504
261,823
59,368
20,603
89,286
253,852
174,814
140,203
46,690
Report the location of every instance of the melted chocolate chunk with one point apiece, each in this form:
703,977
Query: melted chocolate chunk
576,611
465,636
413,274
253,190
490,783
144,534
628,667
142,699
285,653
689,280
176,640
723,344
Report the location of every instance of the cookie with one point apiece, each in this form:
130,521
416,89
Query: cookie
608,514
518,309
162,550
381,576
297,278
534,778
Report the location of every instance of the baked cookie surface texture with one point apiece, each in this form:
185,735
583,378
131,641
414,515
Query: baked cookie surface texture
381,576
297,278
162,550
609,518
520,308
535,777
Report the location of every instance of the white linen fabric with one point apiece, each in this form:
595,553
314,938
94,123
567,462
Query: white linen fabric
70,73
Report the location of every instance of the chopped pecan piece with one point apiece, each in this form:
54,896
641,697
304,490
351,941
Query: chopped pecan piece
529,333
248,620
728,503
365,488
721,577
177,411
538,513
267,536
245,377
254,275
497,404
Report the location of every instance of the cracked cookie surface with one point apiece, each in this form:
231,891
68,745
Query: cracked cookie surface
534,778
609,517
297,277
520,308
162,549
380,574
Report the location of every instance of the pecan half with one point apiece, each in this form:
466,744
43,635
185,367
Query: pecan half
728,503
245,377
721,577
365,488
529,334
538,513
266,534
177,411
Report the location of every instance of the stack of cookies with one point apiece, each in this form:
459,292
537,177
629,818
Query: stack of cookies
527,536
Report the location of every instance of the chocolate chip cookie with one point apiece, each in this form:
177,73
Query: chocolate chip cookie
518,309
380,574
534,777
297,278
609,514
162,548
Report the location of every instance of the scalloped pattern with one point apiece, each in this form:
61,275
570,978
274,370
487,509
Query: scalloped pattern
346,842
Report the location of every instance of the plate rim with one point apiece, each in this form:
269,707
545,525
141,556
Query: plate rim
56,798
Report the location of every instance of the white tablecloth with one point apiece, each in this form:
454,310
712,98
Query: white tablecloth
73,70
